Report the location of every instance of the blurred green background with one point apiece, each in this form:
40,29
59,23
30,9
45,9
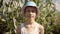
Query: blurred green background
11,16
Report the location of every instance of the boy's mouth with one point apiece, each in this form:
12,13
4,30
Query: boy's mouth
30,16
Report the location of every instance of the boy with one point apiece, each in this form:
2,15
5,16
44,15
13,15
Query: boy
30,26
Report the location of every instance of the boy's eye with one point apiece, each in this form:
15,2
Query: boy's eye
28,10
33,11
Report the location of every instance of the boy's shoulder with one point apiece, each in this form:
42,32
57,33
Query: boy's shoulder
40,26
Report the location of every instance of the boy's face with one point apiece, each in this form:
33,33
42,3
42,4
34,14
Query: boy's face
30,12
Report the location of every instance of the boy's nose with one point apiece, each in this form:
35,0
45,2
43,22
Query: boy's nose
30,12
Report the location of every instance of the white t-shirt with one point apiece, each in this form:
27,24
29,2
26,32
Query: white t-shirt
36,29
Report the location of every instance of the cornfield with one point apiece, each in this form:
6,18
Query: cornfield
11,16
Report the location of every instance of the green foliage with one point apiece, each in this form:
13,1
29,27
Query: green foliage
11,16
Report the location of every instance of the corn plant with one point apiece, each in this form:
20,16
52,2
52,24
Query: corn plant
11,15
